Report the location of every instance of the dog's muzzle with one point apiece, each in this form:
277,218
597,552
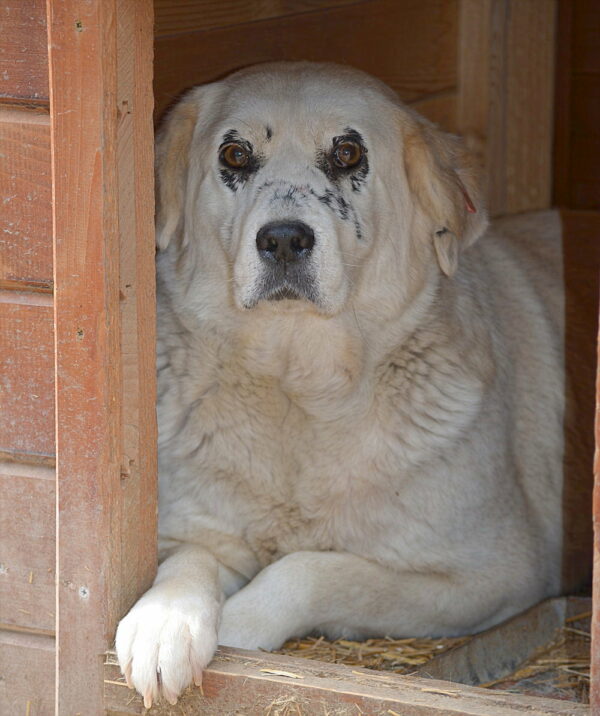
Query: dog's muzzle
285,249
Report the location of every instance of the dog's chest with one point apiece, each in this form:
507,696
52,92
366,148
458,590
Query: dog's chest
255,460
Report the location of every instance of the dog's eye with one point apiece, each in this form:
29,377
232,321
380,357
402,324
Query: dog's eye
347,154
234,156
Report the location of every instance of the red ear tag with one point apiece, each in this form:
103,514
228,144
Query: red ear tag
470,206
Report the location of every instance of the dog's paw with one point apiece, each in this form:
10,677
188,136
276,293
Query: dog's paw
165,642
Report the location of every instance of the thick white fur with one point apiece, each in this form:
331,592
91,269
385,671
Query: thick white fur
384,461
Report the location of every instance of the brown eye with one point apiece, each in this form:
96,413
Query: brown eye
347,154
234,156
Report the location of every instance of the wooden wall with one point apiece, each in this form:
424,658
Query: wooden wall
27,444
411,45
472,66
77,418
577,139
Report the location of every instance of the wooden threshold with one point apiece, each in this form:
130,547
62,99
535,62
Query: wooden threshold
250,683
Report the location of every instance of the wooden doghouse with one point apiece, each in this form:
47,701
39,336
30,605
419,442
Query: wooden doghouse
77,420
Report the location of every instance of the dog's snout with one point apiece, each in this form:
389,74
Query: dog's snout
285,241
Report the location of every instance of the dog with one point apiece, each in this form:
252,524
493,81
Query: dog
360,408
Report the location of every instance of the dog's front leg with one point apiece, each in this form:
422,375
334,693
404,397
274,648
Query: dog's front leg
342,594
169,636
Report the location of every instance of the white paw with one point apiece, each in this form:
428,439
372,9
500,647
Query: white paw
165,642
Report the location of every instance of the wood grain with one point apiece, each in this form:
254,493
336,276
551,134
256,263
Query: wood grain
135,157
577,105
23,50
529,101
27,546
26,377
26,674
173,16
247,683
506,97
25,191
101,139
410,45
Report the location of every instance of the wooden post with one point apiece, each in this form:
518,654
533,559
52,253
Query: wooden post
595,655
101,130
506,97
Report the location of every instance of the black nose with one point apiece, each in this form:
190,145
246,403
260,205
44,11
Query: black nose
285,241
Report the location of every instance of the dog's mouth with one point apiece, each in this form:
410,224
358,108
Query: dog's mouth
283,293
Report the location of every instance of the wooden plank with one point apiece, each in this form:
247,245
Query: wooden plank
26,374
584,185
135,156
479,100
23,50
529,104
27,546
581,275
586,28
25,191
595,649
26,674
439,108
410,45
497,652
562,104
102,564
247,683
173,16
505,101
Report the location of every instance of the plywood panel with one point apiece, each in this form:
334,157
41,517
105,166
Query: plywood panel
26,375
188,15
410,45
25,191
23,50
27,546
26,674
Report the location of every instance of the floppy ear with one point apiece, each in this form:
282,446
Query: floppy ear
443,181
173,144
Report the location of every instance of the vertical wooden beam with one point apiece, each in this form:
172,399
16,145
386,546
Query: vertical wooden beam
101,118
506,95
595,651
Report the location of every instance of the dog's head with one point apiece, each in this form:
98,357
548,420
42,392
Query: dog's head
302,185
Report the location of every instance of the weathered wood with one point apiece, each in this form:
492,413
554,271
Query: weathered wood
529,102
26,373
250,683
27,546
497,652
581,275
23,50
595,653
26,674
135,158
173,16
410,45
439,108
25,191
506,97
99,178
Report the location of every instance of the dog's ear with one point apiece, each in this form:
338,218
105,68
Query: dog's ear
172,159
443,180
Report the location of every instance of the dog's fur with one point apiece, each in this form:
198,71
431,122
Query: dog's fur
382,455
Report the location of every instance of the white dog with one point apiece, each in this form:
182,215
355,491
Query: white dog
361,427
